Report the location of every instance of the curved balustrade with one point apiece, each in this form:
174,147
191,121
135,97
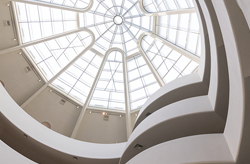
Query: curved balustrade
166,134
232,146
211,148
189,86
188,117
245,7
22,127
217,96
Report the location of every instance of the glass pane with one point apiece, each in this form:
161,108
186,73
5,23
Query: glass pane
57,53
77,77
140,78
110,87
38,22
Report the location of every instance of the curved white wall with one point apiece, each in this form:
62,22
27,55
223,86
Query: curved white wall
230,146
62,147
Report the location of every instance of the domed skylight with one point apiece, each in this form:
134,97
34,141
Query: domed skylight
115,55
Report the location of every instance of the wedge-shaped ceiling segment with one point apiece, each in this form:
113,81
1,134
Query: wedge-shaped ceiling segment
37,22
182,30
77,80
101,19
142,82
169,63
153,6
109,91
53,55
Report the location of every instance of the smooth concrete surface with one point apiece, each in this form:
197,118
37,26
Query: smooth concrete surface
199,149
7,32
50,144
230,147
95,129
184,87
19,83
218,86
236,35
218,95
10,156
179,89
46,107
245,7
188,117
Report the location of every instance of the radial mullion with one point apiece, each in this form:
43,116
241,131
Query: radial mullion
104,33
142,79
130,8
116,10
67,47
113,37
123,40
130,33
139,27
112,75
82,73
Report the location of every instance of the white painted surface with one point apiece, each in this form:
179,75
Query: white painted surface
53,140
195,149
10,156
245,7
6,31
19,83
46,107
94,129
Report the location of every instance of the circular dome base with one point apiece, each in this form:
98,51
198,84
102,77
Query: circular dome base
118,20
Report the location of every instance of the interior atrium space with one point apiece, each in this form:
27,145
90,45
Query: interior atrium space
124,81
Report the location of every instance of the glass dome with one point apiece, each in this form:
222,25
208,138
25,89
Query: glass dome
70,43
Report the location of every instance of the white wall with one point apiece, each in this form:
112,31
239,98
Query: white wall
133,117
10,156
46,107
94,129
19,84
245,7
6,32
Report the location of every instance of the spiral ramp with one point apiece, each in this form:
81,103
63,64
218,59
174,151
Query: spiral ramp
200,118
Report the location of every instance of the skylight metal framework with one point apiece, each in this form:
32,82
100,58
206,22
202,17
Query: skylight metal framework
141,37
75,5
53,55
169,63
77,80
109,92
62,69
118,61
152,6
100,19
156,8
36,22
182,30
142,82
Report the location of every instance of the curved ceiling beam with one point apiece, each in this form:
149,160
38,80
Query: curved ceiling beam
52,5
126,92
8,50
62,70
161,13
22,128
153,70
184,118
171,45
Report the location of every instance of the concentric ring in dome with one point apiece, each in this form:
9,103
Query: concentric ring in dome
178,30
124,35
